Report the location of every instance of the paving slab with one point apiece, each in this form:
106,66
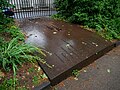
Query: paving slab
103,74
67,46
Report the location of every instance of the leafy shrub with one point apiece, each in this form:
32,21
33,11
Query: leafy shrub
14,31
13,54
102,15
3,19
7,24
75,73
8,84
1,41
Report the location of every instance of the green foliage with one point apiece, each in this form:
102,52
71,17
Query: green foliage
13,54
35,80
43,76
8,84
1,41
3,19
75,73
102,15
32,69
14,31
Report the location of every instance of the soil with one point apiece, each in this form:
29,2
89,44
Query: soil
28,76
6,36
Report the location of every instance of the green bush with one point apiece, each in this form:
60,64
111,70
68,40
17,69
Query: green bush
4,20
13,51
13,54
102,15
1,41
8,84
14,32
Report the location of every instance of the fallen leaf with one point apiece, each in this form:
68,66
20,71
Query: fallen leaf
84,70
96,45
61,84
23,77
33,86
67,45
39,68
71,53
84,43
53,65
68,34
75,78
27,73
44,76
108,70
54,32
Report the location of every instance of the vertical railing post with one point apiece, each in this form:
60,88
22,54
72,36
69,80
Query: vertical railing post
32,8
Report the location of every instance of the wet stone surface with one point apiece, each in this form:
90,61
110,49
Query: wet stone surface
67,46
103,74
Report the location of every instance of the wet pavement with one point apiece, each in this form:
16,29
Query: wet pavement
67,46
103,74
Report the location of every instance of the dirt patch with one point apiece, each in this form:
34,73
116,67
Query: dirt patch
6,36
28,76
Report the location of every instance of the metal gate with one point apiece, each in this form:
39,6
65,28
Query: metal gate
33,8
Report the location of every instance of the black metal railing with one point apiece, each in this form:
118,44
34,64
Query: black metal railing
33,8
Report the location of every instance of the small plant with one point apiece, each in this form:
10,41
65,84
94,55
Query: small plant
75,73
14,31
13,54
1,41
8,84
32,69
43,76
35,80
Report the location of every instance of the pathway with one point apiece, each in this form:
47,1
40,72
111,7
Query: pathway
67,46
103,74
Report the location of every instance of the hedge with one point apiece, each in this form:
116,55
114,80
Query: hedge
101,15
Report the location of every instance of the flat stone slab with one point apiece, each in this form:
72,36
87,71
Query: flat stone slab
68,46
